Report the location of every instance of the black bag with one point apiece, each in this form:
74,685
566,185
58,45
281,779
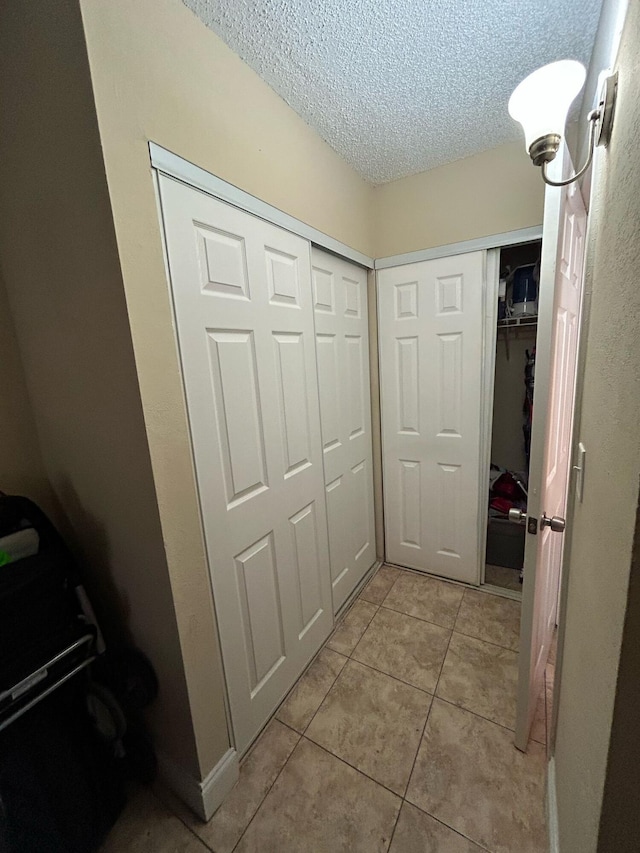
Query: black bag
60,790
39,611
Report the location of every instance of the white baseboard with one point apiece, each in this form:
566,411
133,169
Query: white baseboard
552,808
202,797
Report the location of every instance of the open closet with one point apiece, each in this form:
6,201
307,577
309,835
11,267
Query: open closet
512,412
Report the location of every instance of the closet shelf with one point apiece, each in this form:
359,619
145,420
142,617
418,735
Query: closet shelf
517,325
516,322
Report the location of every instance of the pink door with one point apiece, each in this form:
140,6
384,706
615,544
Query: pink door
560,300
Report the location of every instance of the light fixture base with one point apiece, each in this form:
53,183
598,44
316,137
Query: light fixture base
544,149
606,109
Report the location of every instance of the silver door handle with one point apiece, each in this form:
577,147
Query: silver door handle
518,516
556,523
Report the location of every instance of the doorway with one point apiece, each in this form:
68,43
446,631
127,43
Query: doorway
512,414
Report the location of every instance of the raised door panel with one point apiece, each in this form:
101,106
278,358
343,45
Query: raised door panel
234,380
361,529
342,344
409,506
262,621
293,393
244,315
306,549
430,374
327,346
407,383
355,386
338,522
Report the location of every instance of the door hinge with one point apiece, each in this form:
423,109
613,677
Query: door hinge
532,525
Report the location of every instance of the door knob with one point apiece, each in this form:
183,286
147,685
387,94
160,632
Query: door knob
518,516
556,523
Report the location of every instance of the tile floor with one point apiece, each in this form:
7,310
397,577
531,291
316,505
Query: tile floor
397,738
503,576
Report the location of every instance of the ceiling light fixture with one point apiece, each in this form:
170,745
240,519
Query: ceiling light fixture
541,104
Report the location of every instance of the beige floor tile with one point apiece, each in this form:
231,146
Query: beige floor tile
257,774
373,722
306,697
380,584
347,635
417,832
490,618
147,826
469,775
407,648
503,576
321,805
482,678
539,725
425,598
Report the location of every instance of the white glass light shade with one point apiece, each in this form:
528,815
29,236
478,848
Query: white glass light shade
541,102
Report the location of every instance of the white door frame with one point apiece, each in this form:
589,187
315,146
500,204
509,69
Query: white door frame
490,334
447,250
168,163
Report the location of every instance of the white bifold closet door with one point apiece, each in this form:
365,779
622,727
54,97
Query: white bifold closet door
431,368
242,295
342,344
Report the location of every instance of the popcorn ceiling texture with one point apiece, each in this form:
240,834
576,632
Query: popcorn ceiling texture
400,86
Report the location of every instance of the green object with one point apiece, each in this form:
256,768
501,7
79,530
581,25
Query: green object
4,558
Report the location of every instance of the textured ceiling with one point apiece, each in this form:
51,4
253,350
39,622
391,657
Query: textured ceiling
400,86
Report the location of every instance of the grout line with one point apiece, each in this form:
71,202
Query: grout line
268,791
420,618
353,767
348,657
488,642
295,731
421,573
170,809
435,692
452,828
486,719
287,726
395,825
404,798
323,698
394,677
377,607
424,728
415,757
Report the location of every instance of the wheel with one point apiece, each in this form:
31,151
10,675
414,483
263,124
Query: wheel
105,712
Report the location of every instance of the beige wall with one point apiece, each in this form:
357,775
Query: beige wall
603,56
59,259
21,468
491,192
602,527
620,818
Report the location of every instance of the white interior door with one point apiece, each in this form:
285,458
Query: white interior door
242,295
342,345
560,301
431,337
